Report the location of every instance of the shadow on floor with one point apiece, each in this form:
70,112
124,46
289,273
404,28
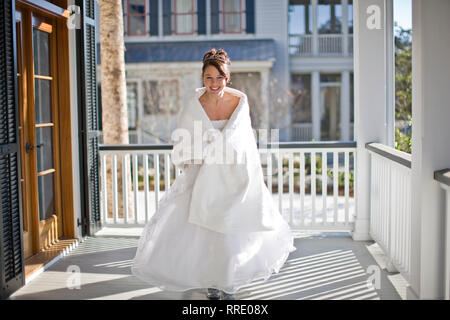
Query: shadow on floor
324,266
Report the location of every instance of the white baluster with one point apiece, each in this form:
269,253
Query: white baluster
324,188
313,187
156,179
136,187
146,188
114,191
125,187
302,189
335,184
104,189
291,187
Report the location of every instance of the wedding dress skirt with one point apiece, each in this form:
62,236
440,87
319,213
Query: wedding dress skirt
176,255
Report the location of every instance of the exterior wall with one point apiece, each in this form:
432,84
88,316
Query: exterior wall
272,22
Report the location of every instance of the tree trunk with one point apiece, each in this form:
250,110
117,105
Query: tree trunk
113,93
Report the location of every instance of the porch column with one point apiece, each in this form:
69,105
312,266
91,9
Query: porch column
345,27
315,104
345,106
430,145
370,100
315,38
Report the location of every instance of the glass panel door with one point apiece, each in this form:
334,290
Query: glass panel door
44,126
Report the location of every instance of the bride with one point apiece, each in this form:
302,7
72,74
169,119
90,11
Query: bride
217,227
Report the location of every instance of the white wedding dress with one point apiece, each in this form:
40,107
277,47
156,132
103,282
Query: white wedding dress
176,255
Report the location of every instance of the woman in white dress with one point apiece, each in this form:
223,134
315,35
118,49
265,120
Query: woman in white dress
217,226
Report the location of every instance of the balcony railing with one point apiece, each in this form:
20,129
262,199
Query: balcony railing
327,45
390,205
296,185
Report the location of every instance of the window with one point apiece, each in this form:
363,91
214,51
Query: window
350,16
301,92
136,17
150,97
232,16
300,17
184,15
160,97
329,17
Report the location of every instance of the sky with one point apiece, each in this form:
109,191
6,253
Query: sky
403,13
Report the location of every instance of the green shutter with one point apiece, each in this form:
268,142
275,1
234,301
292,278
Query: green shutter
89,131
11,245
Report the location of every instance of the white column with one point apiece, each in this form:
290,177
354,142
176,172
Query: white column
370,101
430,145
390,74
315,104
345,106
345,27
315,39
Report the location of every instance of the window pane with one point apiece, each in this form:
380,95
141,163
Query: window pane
136,6
150,97
301,92
42,96
329,16
300,17
350,17
44,148
184,24
41,51
46,196
183,6
232,22
330,113
136,25
232,5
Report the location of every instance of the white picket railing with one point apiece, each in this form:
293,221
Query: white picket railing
330,44
300,44
390,205
288,166
322,44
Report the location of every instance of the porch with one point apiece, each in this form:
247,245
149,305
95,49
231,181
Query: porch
326,265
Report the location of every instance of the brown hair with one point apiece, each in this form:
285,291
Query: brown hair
219,59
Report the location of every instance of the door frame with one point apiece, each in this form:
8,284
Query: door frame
57,12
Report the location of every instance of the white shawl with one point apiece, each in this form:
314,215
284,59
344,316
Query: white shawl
227,197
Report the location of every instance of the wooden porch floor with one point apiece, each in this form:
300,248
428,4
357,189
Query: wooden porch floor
325,266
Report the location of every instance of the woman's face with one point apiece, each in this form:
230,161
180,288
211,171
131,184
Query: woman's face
213,80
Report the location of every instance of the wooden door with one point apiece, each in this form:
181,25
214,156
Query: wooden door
39,132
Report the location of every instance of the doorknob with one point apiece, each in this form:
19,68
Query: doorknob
28,147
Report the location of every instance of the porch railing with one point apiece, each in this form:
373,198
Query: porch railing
296,185
323,45
390,205
443,177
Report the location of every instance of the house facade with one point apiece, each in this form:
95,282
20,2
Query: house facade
48,134
292,58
